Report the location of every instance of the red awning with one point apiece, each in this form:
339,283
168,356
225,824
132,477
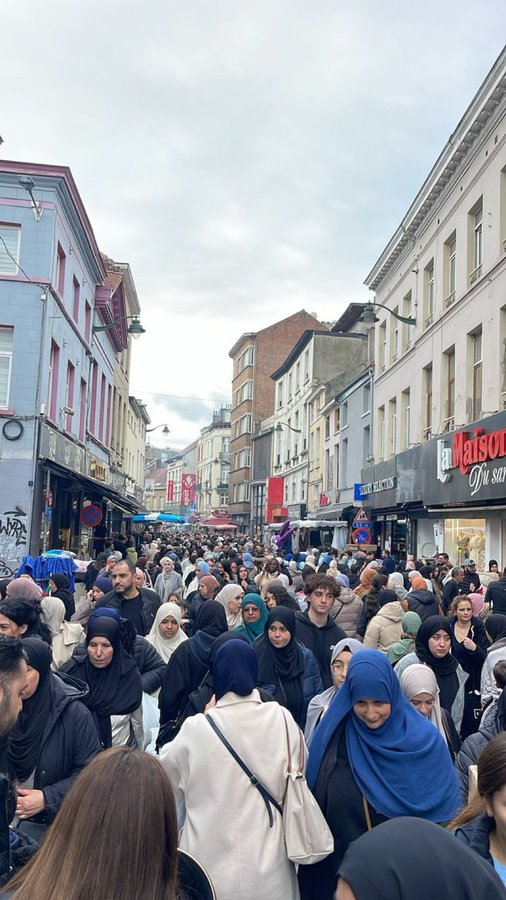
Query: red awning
224,524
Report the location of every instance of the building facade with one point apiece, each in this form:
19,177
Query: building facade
442,381
213,465
255,356
57,372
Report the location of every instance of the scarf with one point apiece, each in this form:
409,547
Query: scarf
321,702
25,739
116,689
166,646
210,622
411,858
419,679
393,764
228,593
445,668
285,665
254,629
366,578
235,668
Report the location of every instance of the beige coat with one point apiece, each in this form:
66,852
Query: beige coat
385,627
71,634
225,821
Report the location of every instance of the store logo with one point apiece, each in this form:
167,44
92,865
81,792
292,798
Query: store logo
444,461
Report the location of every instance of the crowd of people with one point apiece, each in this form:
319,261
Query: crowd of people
189,666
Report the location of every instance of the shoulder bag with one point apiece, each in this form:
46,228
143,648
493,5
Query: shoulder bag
308,838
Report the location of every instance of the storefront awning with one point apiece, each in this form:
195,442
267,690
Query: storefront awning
102,491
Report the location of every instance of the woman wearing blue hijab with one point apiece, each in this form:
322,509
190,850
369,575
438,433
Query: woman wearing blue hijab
254,617
373,757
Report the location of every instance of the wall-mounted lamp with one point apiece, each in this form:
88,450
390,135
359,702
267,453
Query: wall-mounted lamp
28,184
369,317
135,328
279,428
166,429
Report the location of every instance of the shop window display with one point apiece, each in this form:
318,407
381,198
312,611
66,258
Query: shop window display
465,539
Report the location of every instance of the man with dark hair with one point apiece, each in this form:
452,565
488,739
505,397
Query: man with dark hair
471,580
13,682
132,603
315,628
496,595
452,588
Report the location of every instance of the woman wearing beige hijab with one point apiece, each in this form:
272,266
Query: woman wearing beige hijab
420,688
230,597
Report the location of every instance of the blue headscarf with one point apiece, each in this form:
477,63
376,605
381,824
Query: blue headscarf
403,767
235,668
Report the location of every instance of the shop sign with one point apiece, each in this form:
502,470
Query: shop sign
188,489
324,499
376,487
473,456
60,449
98,470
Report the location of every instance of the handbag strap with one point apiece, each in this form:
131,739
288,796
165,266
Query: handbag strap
264,793
366,813
301,749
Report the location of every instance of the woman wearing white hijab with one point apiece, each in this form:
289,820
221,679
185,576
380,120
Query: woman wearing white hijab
341,655
420,687
230,597
166,633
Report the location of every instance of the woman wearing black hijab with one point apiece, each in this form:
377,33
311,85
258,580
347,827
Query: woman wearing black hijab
187,668
53,739
433,648
60,587
113,679
21,619
412,859
286,668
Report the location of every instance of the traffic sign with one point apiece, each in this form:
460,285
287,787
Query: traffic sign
362,536
91,515
361,519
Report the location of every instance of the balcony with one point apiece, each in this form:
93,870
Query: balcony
449,300
475,274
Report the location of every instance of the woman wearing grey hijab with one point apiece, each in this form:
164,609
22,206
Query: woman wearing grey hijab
341,655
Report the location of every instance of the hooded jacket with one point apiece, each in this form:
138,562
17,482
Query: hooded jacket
321,640
385,628
69,741
424,603
346,611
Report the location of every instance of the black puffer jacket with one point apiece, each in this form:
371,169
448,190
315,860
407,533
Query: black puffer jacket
424,603
473,745
148,661
150,603
69,741
476,835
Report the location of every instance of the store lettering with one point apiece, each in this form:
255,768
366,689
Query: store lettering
444,462
478,449
481,476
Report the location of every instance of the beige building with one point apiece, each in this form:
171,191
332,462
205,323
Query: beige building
135,448
181,465
445,267
213,464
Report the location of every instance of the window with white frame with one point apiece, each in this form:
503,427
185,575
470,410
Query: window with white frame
406,418
392,436
382,332
245,425
450,263
10,239
381,432
6,342
428,293
407,304
280,394
394,334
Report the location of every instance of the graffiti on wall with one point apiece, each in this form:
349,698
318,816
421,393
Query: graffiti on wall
13,538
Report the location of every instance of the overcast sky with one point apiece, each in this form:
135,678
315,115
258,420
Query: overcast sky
248,158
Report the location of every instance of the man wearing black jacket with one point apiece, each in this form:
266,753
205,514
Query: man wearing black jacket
314,628
13,681
496,595
132,603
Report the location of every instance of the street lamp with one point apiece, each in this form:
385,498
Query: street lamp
369,318
166,429
279,428
135,328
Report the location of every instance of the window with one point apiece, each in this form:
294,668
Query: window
406,418
102,410
344,414
502,225
297,377
394,334
244,458
344,462
10,238
6,342
244,425
280,394
54,364
93,407
476,240
82,411
290,386
87,321
366,444
382,345
476,341
306,366
327,427
109,416
381,432
76,288
69,396
450,389
428,294
60,270
246,391
392,437
366,398
449,274
427,402
407,305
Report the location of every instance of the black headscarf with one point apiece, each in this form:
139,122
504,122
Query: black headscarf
26,612
210,622
116,689
284,665
445,668
64,593
496,628
235,669
26,737
410,857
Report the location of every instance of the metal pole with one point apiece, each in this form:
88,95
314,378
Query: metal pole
46,523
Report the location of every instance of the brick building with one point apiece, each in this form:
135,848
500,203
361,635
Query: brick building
256,355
